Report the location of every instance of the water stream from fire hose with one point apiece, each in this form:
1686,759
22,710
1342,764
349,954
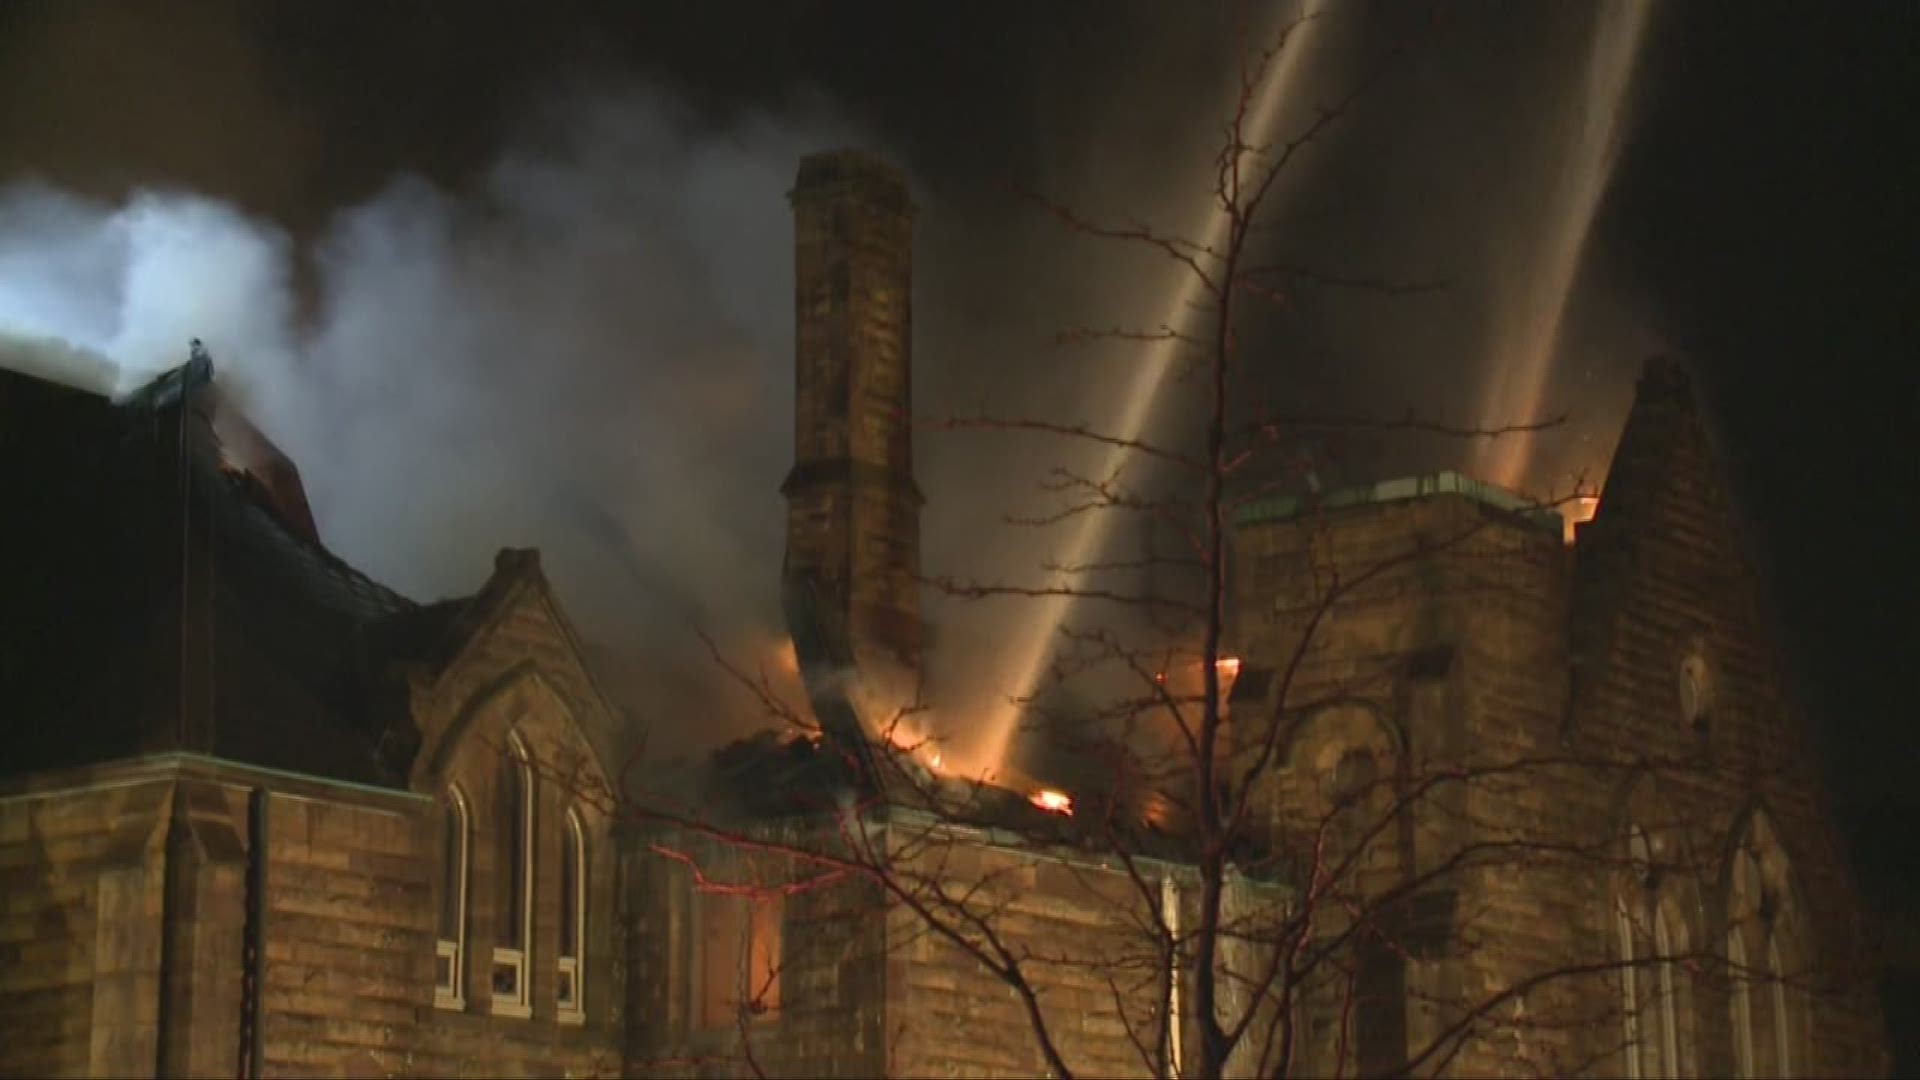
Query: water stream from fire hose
1528,330
1088,532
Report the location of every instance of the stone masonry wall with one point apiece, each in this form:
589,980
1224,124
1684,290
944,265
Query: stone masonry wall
81,896
1502,647
1439,645
518,673
1663,574
832,994
868,989
947,1015
853,509
349,938
127,904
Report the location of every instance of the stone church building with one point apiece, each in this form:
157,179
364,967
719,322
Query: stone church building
261,815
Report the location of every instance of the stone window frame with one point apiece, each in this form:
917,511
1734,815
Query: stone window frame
1177,1006
571,956
1784,1020
1652,988
1740,1005
517,1000
1343,768
449,992
1349,756
1762,922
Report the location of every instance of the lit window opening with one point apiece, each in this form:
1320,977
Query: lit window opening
740,944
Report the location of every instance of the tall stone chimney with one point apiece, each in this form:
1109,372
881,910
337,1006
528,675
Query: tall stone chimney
853,509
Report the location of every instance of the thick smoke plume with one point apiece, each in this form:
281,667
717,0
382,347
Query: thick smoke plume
588,347
588,353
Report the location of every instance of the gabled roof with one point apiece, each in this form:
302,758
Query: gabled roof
1666,520
429,644
174,600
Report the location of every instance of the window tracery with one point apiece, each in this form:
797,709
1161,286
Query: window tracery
1769,1019
1651,940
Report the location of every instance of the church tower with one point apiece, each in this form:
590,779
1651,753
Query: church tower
853,509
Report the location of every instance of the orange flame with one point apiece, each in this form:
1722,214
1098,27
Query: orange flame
1578,511
1053,802
921,748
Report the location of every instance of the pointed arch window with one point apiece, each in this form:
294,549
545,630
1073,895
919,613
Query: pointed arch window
1783,1016
1769,1018
450,950
1740,1003
513,907
1666,1003
571,991
1650,941
1629,991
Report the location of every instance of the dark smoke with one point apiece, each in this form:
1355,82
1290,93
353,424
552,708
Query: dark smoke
586,347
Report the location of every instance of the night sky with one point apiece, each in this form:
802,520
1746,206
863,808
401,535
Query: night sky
1762,223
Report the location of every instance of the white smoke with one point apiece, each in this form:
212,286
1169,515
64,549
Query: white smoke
131,284
589,352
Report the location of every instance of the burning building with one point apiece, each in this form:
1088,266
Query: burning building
260,814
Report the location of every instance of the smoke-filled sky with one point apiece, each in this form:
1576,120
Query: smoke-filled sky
526,280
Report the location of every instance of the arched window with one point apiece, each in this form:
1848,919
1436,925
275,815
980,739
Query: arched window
1783,1013
573,919
1769,1018
1651,940
450,951
513,909
1667,1002
1740,1002
1629,990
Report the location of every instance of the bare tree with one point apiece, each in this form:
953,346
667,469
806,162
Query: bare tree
1252,872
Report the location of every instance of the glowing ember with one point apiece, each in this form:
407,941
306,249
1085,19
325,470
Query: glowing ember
1578,510
916,746
1053,802
1227,668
